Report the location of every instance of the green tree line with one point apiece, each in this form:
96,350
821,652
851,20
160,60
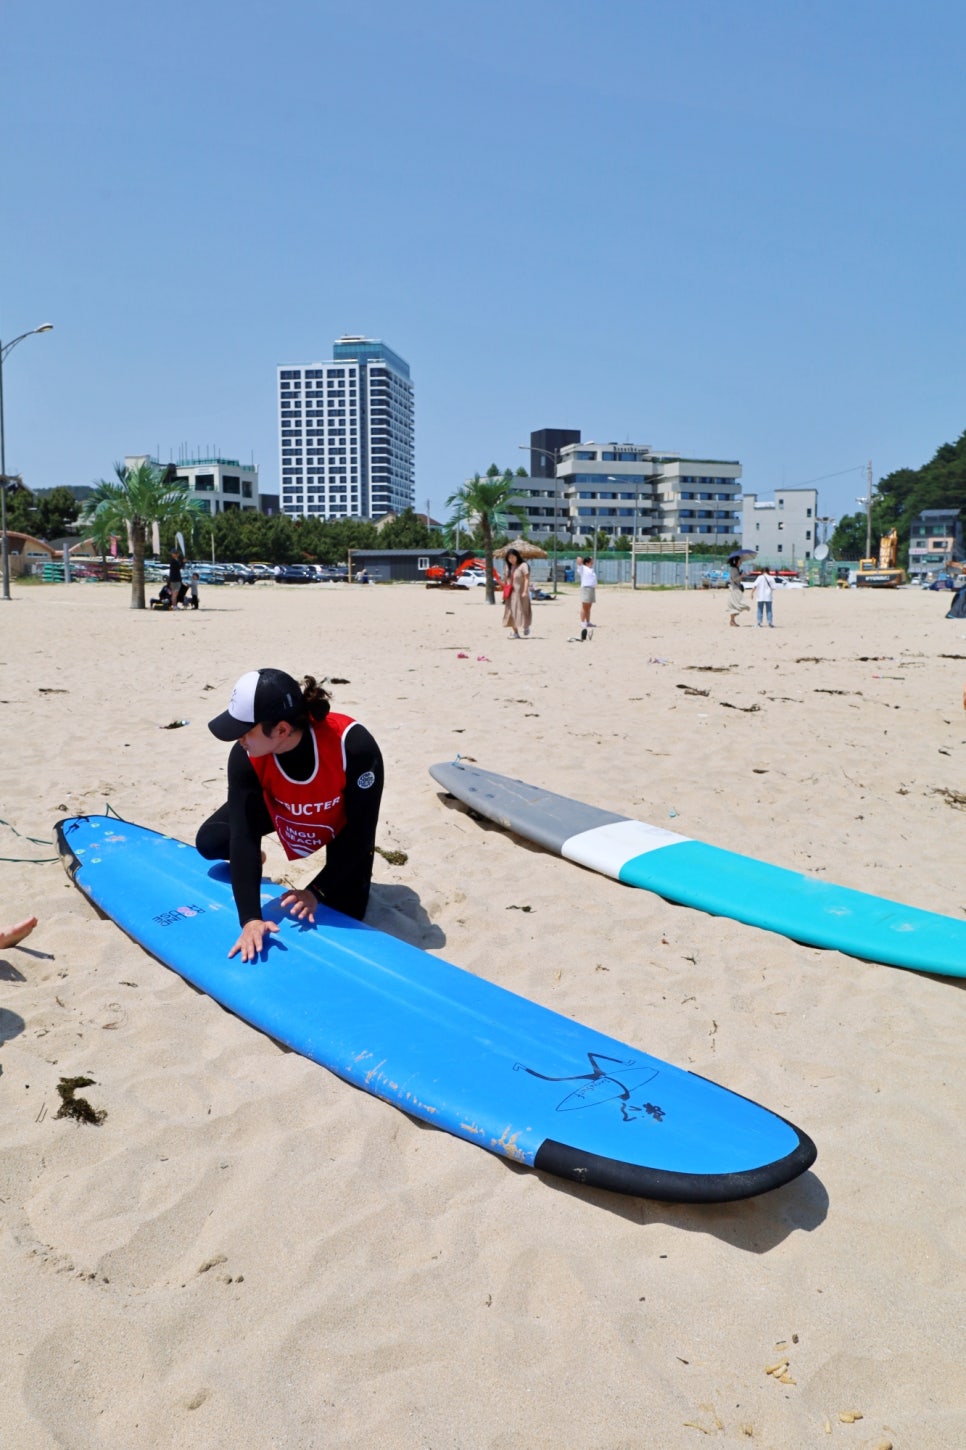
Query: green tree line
238,536
900,497
44,515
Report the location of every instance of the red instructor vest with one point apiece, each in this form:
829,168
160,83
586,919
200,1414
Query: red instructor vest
308,814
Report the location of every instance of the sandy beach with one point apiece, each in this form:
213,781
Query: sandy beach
247,1252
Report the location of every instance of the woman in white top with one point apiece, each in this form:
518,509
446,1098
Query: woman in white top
764,588
588,592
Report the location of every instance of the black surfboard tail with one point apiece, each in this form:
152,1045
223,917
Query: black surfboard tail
577,1166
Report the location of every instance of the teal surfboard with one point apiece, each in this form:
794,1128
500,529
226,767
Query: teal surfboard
711,879
441,1044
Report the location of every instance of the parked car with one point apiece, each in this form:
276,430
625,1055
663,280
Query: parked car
948,581
238,574
329,573
294,574
207,573
470,578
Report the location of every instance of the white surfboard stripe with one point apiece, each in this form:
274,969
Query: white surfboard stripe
607,848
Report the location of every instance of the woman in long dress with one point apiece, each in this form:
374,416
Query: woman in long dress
517,610
736,594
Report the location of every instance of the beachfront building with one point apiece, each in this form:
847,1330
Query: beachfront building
346,438
216,485
632,493
697,500
781,529
935,540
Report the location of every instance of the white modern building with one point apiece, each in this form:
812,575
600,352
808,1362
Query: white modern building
781,529
629,490
216,485
345,428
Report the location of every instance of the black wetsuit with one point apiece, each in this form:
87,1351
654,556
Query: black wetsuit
178,588
234,833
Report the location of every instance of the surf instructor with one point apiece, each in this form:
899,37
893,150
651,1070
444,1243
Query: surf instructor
310,775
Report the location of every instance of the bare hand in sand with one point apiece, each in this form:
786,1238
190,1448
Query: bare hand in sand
10,936
252,939
301,904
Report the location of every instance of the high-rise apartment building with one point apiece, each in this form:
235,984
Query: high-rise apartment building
345,431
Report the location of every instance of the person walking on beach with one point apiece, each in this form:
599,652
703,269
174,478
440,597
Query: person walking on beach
737,603
587,575
764,589
311,776
517,609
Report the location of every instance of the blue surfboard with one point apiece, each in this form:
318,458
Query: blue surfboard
711,879
443,1045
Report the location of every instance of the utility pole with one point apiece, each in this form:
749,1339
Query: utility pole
824,520
868,510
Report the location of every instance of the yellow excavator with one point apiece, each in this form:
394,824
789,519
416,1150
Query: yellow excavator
884,572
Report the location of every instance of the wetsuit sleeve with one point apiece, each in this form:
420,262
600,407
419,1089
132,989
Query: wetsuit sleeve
248,822
345,879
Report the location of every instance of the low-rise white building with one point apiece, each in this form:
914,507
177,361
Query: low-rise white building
630,491
221,483
216,485
781,529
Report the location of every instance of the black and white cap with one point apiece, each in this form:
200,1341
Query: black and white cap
260,696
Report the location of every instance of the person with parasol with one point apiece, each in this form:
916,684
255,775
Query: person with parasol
736,593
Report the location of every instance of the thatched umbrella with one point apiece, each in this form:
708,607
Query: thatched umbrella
524,548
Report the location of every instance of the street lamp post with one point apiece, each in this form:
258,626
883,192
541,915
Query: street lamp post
552,455
4,350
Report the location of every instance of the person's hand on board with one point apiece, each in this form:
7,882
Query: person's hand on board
253,939
301,904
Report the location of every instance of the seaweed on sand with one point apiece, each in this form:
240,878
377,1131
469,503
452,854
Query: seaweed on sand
77,1108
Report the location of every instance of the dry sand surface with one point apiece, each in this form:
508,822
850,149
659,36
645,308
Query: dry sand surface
249,1253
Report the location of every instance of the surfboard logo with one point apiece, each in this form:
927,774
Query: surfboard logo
620,1083
176,914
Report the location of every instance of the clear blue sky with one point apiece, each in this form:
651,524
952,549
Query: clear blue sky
733,228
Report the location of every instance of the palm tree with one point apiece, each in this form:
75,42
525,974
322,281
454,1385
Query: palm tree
478,503
141,496
101,535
